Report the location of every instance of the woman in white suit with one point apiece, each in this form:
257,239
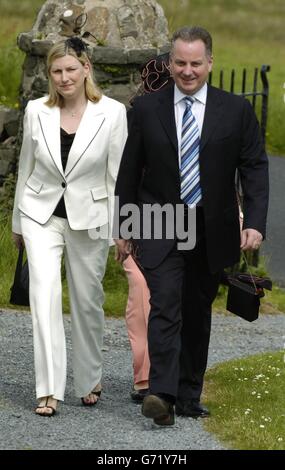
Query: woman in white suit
72,145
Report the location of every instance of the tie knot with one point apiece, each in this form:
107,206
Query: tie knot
189,100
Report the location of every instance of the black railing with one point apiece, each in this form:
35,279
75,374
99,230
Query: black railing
253,93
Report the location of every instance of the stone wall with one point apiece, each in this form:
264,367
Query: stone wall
9,126
120,36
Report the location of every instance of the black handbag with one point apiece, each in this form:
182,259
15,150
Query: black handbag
244,293
243,299
20,287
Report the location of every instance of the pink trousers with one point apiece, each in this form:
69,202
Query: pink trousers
137,312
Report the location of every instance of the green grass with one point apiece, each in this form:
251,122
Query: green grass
9,89
247,401
16,16
115,287
8,258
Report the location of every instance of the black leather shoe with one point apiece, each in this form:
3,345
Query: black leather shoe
138,395
161,411
192,409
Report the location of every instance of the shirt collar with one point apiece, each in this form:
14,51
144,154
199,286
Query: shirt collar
200,95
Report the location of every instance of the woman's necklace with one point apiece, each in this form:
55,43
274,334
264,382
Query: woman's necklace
75,113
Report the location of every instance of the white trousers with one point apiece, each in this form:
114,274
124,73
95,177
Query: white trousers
85,263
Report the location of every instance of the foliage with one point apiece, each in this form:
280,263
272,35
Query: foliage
115,287
7,195
11,60
8,257
242,396
20,8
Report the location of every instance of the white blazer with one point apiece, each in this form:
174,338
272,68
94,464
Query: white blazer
88,181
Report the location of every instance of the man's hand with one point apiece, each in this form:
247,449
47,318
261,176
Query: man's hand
123,249
18,240
250,239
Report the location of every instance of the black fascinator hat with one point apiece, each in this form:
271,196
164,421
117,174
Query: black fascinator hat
77,45
155,73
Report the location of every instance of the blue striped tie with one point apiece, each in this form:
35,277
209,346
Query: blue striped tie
189,167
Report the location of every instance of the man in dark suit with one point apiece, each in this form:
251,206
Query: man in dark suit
185,144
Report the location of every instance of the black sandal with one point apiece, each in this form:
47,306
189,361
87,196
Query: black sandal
97,393
53,410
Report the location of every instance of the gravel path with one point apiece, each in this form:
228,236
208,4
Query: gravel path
115,423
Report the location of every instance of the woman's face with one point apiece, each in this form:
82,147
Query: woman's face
68,76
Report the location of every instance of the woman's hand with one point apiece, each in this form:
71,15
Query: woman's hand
123,250
18,240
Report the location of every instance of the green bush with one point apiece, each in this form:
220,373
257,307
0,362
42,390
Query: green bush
8,257
11,59
7,196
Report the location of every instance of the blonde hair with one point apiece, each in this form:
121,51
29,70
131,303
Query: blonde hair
61,49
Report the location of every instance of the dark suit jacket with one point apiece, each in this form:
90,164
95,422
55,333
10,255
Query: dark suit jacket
230,140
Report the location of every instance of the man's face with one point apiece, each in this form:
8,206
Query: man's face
190,65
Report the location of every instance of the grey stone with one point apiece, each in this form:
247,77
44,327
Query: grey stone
7,157
117,32
40,48
109,55
25,41
2,117
12,126
30,67
44,19
126,20
40,84
4,165
139,56
7,154
120,92
98,23
9,119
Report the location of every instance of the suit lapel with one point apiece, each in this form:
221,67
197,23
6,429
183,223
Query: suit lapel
90,125
212,117
50,125
166,115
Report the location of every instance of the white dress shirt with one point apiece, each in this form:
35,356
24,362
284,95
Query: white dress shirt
198,110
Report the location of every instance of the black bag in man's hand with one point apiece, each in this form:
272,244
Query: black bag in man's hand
20,287
244,293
